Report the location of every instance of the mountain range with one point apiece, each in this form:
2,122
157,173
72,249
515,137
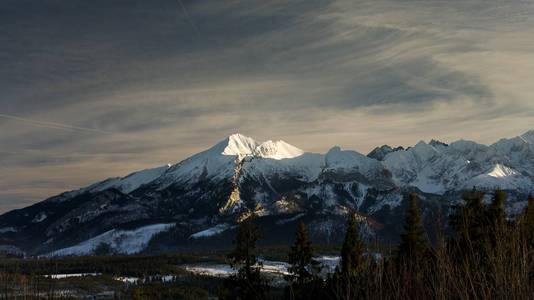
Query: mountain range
196,203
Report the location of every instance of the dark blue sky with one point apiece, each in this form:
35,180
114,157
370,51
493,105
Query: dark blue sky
92,89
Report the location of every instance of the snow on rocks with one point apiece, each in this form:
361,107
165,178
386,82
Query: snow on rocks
39,217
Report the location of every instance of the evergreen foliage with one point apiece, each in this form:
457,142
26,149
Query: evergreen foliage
527,222
300,257
348,281
486,256
303,281
414,243
352,250
248,283
468,222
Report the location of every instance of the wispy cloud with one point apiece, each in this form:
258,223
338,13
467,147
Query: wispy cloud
154,82
52,125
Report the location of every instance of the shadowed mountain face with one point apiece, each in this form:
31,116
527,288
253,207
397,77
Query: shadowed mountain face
198,202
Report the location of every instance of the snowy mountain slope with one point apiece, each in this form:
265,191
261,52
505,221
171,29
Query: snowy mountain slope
276,181
461,165
277,150
130,182
126,184
121,241
518,152
338,160
501,177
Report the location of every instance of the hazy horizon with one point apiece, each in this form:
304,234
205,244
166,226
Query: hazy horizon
98,89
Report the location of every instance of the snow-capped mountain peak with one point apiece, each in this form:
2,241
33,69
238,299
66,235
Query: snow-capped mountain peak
239,175
238,144
241,146
277,150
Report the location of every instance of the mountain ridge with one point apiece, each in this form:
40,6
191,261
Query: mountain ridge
239,176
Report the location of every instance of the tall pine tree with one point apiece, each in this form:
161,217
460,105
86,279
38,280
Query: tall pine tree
496,218
414,243
469,222
348,282
496,214
301,257
527,223
248,282
303,282
353,249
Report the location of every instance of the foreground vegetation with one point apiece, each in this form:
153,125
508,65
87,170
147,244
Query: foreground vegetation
483,255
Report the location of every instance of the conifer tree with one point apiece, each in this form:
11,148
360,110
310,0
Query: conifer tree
414,243
469,223
353,249
527,223
496,218
248,282
301,256
348,282
303,284
496,214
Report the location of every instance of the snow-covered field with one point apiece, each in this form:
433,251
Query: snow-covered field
70,275
276,268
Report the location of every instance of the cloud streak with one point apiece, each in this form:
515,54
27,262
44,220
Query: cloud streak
146,88
52,125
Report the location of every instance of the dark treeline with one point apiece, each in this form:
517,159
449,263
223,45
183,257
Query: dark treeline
485,256
137,266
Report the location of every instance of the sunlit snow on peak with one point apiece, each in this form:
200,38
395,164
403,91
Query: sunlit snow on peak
277,150
501,171
241,146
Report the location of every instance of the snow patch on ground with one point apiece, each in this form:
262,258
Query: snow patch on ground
136,280
63,276
278,268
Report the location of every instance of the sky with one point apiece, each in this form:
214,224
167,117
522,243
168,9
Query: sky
101,88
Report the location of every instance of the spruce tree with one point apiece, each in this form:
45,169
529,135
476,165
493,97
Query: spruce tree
496,214
527,223
301,256
348,282
496,218
469,222
414,243
244,254
303,284
353,248
248,282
